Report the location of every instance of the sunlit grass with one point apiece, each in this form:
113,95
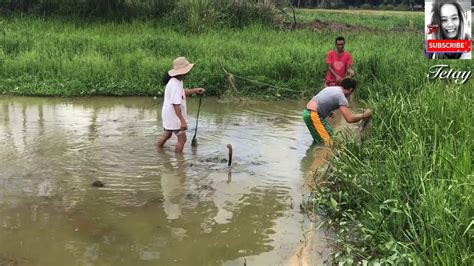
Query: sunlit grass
58,57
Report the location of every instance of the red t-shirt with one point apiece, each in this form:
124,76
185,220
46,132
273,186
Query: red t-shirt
340,64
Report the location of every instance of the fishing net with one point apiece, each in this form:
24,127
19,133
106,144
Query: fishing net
238,86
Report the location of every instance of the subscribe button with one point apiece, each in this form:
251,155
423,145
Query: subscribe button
449,46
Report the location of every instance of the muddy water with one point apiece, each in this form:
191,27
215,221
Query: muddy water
155,208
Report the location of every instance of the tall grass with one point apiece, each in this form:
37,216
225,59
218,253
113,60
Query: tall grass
201,15
405,196
193,15
112,9
57,57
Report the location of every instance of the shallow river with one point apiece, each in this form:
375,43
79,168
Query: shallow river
155,208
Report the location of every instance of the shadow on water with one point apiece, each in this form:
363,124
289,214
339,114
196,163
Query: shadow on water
154,207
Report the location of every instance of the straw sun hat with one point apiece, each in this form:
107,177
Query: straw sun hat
181,66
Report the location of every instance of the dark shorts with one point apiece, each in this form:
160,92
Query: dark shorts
177,132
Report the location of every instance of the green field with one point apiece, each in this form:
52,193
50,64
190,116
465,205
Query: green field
58,57
398,21
403,196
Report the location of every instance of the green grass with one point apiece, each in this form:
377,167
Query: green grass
54,57
404,196
385,20
407,192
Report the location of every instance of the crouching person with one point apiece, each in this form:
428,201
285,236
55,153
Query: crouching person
327,101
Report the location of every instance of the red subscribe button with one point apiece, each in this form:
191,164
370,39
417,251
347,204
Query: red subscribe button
449,46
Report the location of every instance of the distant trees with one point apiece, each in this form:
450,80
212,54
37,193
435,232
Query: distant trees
89,7
196,15
130,8
22,5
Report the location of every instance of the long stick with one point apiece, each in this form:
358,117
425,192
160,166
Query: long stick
194,142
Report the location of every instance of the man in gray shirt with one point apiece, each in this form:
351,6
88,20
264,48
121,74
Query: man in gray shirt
324,103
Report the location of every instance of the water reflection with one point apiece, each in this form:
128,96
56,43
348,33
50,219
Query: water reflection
316,156
172,183
156,208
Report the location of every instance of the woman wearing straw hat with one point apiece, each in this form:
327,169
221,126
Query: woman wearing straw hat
173,112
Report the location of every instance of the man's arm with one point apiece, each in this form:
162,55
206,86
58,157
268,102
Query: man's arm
350,72
352,118
177,109
195,90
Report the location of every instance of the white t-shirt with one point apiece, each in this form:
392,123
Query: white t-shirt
174,94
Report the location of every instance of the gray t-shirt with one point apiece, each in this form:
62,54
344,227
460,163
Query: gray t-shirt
329,99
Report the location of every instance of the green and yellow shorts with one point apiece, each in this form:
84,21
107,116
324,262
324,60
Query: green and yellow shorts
319,128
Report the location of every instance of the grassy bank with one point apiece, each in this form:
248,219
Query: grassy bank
55,57
405,196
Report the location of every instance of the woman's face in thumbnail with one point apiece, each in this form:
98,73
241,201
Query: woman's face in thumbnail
449,21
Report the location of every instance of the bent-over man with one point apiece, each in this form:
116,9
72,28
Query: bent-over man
324,103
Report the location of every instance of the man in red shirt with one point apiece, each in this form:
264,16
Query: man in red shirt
339,64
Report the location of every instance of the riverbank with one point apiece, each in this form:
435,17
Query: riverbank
404,195
59,57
